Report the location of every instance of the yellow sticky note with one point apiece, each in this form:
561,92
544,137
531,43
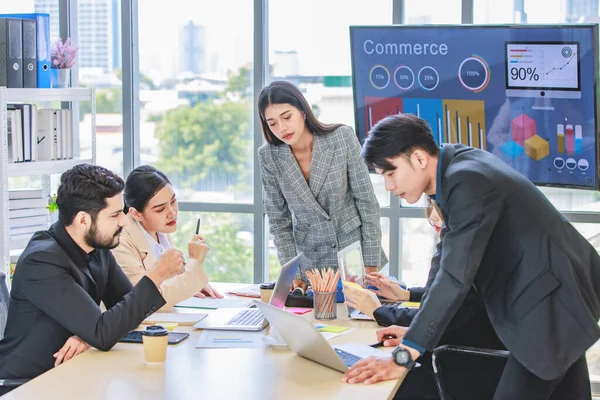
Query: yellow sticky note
411,304
333,329
352,284
169,325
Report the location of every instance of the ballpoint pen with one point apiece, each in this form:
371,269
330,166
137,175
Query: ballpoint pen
198,226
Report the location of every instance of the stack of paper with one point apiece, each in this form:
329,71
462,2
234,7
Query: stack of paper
230,339
247,291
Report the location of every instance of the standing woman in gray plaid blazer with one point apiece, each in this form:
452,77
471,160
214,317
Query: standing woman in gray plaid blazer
318,194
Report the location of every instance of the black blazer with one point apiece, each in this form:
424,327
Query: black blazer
537,275
465,377
401,316
56,292
469,327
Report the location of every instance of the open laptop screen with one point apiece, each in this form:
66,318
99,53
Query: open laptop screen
284,282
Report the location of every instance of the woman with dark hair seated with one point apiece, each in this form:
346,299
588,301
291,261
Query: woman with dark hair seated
151,208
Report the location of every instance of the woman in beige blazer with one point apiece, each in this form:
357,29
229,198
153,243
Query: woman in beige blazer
151,208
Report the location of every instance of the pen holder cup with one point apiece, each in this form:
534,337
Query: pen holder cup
325,305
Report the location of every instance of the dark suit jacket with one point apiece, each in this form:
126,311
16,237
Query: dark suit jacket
469,327
465,377
56,292
538,277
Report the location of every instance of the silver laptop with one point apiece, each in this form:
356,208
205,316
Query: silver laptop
251,319
304,339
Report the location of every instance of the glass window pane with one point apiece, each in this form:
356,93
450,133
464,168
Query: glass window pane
533,11
231,240
38,6
573,200
99,62
495,12
196,96
418,246
432,12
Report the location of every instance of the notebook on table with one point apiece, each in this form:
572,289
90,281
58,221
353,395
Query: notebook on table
185,319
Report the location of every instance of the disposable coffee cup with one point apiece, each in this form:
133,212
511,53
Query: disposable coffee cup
155,340
266,291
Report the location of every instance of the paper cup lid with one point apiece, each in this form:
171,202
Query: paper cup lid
155,330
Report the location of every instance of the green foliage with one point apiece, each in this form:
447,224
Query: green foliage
145,81
241,82
108,101
231,256
209,138
52,206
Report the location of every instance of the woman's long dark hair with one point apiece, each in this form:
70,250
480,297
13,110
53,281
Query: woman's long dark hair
282,92
141,185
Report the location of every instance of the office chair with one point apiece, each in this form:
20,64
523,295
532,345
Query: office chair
4,301
471,351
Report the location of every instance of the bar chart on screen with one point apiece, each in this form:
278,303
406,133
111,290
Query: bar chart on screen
451,121
465,122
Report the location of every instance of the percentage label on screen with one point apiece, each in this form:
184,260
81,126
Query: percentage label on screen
524,74
428,78
403,77
472,73
379,76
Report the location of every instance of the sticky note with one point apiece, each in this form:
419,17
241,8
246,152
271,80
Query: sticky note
333,328
352,284
298,310
169,325
411,304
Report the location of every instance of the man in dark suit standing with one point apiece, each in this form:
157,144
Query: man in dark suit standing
64,273
537,276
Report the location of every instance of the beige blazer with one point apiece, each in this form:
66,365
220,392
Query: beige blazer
135,258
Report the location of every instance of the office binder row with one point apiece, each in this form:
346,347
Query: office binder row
25,50
39,135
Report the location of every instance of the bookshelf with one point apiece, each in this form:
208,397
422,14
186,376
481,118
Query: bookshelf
43,169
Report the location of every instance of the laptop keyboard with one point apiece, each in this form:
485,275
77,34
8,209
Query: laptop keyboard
247,318
348,358
391,303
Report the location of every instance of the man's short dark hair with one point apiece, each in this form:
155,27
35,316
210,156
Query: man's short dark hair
85,188
395,136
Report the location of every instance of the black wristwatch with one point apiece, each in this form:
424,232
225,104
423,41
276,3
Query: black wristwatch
403,358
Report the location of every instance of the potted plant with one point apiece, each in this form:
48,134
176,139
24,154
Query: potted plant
52,208
63,58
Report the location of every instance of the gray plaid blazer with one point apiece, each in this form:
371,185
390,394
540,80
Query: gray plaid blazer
336,208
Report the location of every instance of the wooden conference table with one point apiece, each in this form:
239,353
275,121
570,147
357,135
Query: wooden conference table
191,373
